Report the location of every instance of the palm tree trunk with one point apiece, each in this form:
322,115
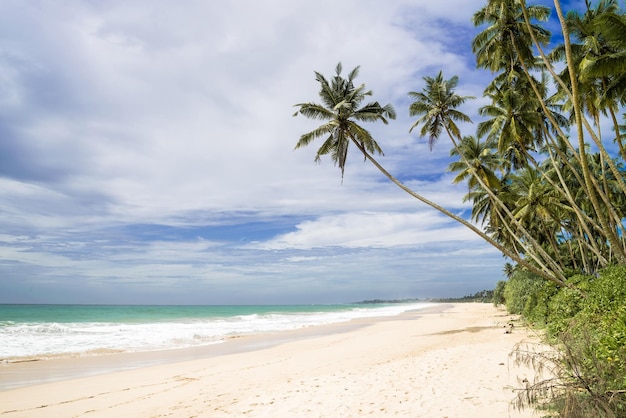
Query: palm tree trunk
572,255
553,276
578,211
531,246
581,216
618,135
528,251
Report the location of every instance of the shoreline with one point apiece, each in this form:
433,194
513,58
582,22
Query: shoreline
445,360
44,332
25,371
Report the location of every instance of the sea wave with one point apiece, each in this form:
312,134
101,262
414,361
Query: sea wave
40,339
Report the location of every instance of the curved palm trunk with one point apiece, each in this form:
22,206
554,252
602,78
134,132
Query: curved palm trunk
583,253
521,243
534,248
581,216
572,255
555,277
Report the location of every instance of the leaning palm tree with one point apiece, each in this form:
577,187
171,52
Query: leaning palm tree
436,105
340,108
340,111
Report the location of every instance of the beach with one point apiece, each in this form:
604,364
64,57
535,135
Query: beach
448,360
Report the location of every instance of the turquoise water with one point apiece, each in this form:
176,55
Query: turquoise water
46,330
153,313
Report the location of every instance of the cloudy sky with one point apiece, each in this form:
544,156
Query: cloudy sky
147,154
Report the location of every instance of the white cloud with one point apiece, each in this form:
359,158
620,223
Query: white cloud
370,229
153,112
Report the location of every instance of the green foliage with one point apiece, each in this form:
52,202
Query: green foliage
587,322
566,304
522,292
604,317
498,293
482,296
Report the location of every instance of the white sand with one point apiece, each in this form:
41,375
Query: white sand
434,363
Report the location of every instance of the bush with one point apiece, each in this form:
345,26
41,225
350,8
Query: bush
521,291
588,325
566,304
498,293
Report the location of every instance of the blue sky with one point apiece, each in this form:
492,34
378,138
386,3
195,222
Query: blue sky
146,154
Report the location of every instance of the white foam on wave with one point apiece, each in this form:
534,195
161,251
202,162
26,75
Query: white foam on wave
41,339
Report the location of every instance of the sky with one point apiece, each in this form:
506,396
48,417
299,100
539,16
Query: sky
147,154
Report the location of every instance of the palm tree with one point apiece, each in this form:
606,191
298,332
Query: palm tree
599,32
512,122
340,109
507,40
436,105
341,100
482,159
595,194
609,55
573,93
539,206
508,270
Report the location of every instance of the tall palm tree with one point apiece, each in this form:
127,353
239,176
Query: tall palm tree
436,105
340,108
507,39
573,94
512,121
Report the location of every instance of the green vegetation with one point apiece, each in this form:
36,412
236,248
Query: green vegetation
588,375
545,176
483,296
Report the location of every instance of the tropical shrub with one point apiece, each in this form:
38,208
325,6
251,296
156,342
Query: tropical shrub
587,325
498,294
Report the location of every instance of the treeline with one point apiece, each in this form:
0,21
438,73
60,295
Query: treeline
484,296
377,301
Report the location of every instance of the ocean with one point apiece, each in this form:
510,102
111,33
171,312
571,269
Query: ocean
41,331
